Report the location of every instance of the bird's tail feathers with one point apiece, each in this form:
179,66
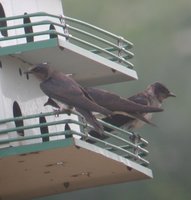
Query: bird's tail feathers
135,116
103,111
96,108
90,118
95,134
142,118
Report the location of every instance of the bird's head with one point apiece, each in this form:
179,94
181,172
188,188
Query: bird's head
161,91
41,71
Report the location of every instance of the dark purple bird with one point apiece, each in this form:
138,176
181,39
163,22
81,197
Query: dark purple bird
58,86
153,96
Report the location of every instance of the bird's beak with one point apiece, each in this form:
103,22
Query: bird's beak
171,94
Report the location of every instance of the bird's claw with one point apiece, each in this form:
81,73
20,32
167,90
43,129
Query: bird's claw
135,138
67,111
85,136
56,112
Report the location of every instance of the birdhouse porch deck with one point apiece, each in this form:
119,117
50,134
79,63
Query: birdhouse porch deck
74,162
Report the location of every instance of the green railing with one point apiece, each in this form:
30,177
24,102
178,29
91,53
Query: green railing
119,141
85,35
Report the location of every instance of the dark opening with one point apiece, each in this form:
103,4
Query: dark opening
67,128
44,129
4,22
1,64
27,76
52,28
20,72
17,113
28,29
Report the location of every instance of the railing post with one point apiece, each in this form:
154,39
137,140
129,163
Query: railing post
120,45
65,28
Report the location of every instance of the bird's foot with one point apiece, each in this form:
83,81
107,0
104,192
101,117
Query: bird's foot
85,137
135,138
138,139
56,112
68,111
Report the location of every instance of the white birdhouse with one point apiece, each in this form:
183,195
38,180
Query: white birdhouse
32,138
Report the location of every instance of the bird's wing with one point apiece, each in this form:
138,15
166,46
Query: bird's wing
66,90
114,102
60,87
116,120
86,94
90,118
140,99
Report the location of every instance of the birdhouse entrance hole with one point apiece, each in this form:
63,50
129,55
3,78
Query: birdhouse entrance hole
43,129
17,113
3,23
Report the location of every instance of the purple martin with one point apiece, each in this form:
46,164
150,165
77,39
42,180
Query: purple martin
123,110
153,96
120,105
58,86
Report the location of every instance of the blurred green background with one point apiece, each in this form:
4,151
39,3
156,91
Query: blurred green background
161,33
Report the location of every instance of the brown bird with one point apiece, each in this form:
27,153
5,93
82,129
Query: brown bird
120,105
152,96
60,87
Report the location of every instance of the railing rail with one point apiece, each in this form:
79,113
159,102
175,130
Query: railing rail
117,143
44,14
96,40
